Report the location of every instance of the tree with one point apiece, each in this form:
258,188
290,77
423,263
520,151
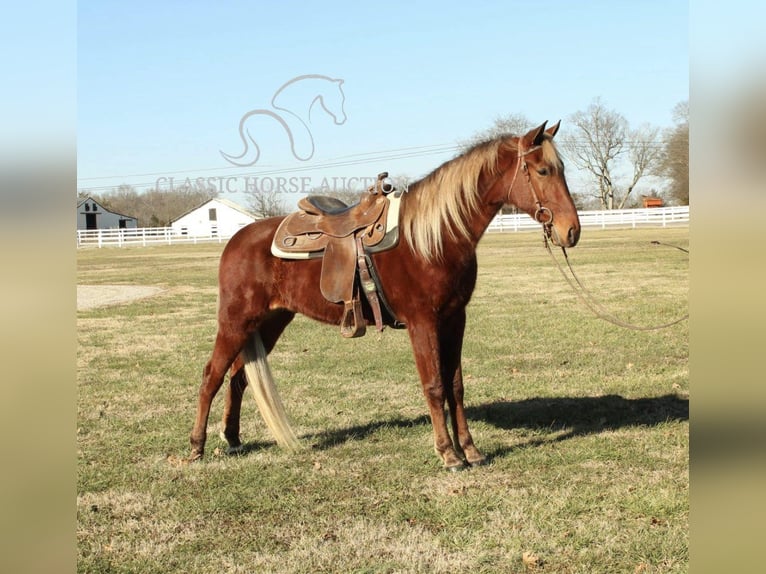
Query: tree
155,207
265,203
601,138
645,156
516,124
674,163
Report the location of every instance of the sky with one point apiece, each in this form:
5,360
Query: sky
162,87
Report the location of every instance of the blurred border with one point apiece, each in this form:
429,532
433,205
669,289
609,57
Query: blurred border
728,203
37,192
38,189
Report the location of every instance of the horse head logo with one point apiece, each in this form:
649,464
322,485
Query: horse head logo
291,107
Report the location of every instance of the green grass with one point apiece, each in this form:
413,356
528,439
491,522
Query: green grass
585,423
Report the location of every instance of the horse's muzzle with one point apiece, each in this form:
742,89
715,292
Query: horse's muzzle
563,238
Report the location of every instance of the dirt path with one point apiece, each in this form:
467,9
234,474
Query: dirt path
92,296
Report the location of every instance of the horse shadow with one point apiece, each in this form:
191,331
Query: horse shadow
576,416
579,416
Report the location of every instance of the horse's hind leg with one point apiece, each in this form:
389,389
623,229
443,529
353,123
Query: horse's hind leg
228,344
233,405
270,328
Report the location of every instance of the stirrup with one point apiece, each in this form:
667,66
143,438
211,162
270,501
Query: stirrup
352,325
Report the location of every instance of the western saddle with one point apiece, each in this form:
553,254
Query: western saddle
344,236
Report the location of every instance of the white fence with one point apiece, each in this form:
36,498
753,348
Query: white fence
650,217
144,236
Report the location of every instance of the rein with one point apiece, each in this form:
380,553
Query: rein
597,310
544,216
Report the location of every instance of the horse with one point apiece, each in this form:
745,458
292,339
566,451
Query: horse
289,103
427,280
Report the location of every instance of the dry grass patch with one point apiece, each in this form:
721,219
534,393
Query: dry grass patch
585,424
115,524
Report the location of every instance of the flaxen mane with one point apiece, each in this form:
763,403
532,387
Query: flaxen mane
445,200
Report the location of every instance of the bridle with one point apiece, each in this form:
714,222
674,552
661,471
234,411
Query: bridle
543,215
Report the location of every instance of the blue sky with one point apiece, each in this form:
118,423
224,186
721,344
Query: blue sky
162,86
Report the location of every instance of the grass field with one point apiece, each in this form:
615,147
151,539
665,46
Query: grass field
585,424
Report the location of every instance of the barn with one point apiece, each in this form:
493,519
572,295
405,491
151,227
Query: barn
213,217
92,215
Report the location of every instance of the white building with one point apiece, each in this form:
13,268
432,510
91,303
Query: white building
92,215
214,217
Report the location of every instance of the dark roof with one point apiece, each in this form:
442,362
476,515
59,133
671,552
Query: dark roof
89,198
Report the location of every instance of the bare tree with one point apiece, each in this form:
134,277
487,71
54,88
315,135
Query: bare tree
602,143
645,156
598,140
674,163
265,203
516,124
155,207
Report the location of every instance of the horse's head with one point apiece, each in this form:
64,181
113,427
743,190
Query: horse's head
537,186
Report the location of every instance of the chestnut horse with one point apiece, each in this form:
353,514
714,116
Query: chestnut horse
427,280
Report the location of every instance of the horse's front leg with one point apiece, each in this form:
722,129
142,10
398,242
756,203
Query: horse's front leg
460,423
426,347
452,348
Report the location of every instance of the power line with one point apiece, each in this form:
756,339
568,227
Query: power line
338,161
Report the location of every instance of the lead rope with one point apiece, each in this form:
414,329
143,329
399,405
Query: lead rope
585,297
582,293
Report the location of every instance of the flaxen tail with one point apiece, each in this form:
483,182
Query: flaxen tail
265,392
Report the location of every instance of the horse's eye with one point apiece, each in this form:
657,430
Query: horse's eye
543,171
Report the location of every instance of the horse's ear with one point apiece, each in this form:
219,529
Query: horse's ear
551,131
534,137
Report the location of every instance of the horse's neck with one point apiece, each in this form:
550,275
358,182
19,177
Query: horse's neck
481,220
492,198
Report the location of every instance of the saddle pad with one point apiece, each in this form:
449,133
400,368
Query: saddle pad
313,245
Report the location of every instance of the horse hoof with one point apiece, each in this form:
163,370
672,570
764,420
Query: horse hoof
456,467
235,449
478,462
195,456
